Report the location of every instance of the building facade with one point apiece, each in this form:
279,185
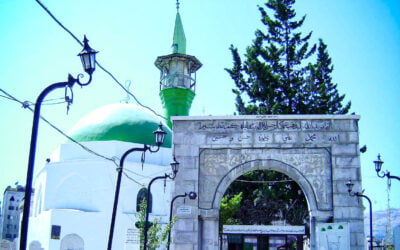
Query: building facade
12,198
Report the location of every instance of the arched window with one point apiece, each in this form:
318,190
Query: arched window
142,196
72,242
35,245
12,198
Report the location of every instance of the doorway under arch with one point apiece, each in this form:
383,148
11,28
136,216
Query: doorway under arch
265,209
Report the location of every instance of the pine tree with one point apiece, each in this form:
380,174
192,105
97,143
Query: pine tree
277,76
325,98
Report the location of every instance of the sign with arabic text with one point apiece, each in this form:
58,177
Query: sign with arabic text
263,229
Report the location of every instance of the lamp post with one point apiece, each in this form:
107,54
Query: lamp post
175,168
350,185
88,58
192,196
159,138
378,166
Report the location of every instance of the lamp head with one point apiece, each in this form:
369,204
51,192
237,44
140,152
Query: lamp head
88,57
378,164
349,185
192,195
175,166
159,135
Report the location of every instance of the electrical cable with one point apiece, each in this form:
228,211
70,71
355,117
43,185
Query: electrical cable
131,179
9,96
115,160
264,182
98,64
131,171
144,176
53,103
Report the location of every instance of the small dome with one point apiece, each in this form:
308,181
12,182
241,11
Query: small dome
120,122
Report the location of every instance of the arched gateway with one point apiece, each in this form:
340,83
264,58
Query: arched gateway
319,152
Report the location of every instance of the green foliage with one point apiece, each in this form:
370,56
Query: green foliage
277,76
324,96
230,206
156,235
266,196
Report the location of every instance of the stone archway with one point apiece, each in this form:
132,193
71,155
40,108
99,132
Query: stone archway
319,152
309,167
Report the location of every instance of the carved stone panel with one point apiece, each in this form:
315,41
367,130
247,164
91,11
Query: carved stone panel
310,165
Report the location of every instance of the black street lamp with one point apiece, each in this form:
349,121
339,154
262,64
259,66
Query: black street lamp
378,166
175,168
88,58
350,185
192,196
159,135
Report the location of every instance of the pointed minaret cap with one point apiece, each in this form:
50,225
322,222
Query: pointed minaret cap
179,39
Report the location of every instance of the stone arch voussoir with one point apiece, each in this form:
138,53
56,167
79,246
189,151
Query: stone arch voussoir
265,164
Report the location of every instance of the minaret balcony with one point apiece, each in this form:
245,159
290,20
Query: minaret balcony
178,80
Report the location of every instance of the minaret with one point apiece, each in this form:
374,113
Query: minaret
178,75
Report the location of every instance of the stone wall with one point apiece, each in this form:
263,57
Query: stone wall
319,152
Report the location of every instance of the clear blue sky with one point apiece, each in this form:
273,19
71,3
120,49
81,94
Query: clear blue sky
362,37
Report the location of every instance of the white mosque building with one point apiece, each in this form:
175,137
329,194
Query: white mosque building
74,190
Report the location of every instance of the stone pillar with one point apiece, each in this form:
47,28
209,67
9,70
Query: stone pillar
346,165
208,223
184,235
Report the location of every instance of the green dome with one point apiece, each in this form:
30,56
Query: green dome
120,122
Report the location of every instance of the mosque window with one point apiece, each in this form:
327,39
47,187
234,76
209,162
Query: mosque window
55,232
142,196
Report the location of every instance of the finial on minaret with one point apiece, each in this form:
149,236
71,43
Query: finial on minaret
179,39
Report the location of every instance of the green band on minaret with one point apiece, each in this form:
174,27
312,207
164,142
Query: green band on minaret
176,102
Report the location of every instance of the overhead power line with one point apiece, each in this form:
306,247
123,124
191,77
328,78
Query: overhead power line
131,179
24,105
114,160
98,64
264,182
